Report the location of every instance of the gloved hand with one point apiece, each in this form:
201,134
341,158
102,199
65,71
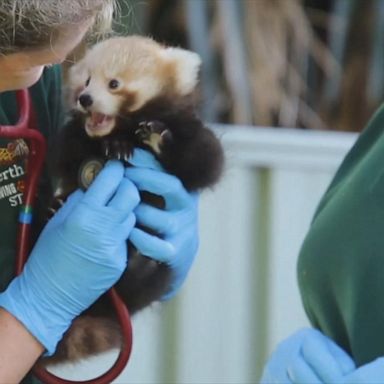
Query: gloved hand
177,224
276,368
79,255
310,357
322,361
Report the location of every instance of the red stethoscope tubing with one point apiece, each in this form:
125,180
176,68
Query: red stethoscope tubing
26,129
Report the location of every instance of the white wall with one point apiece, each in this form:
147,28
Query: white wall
241,297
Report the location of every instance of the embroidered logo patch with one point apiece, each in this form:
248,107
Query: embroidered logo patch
12,171
15,149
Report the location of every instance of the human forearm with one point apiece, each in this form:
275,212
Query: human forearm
19,349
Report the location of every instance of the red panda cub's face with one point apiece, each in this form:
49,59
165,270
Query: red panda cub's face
122,74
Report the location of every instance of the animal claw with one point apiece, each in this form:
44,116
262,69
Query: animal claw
106,150
118,148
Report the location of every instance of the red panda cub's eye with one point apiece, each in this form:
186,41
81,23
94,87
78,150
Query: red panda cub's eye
87,82
113,84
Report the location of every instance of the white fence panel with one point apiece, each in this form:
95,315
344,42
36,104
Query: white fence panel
241,297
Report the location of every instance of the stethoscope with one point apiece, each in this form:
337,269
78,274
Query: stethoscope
26,129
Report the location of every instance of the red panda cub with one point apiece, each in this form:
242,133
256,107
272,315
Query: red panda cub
132,92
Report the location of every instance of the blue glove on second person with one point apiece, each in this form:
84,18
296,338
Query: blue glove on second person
310,357
323,361
276,368
177,224
80,254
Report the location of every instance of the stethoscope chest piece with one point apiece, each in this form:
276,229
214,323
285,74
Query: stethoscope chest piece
88,170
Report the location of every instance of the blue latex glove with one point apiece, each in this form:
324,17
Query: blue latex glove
322,361
177,224
294,359
276,368
79,255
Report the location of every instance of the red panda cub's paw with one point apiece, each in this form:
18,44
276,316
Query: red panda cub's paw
56,203
117,149
153,134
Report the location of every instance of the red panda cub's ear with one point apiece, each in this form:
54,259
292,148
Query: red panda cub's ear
186,65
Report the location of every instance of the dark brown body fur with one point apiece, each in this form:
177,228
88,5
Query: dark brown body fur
190,151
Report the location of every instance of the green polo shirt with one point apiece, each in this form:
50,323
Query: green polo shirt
341,263
46,99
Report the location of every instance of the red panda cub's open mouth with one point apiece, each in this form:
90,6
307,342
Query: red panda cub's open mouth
97,124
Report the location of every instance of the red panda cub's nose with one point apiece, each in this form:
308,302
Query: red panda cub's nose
85,100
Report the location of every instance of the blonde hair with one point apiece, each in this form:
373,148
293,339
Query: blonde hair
31,24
